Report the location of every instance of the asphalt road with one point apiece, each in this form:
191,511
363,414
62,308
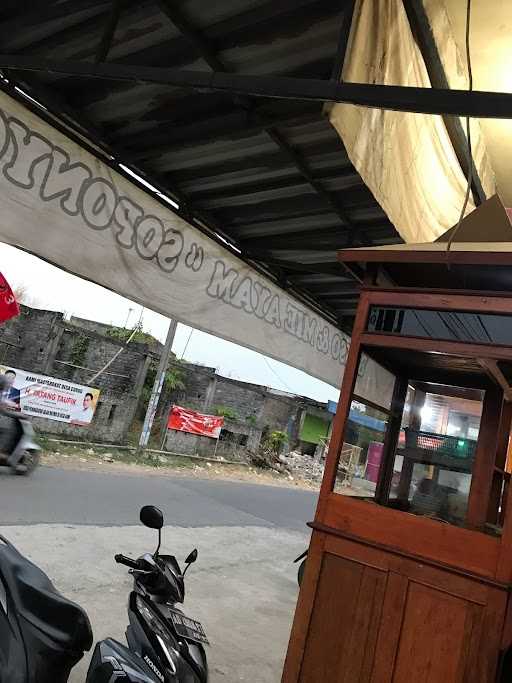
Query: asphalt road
243,587
54,496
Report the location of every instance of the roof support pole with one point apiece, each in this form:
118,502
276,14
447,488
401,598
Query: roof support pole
422,33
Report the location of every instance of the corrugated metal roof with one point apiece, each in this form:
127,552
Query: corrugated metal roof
271,175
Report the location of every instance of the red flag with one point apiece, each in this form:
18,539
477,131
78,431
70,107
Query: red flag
8,305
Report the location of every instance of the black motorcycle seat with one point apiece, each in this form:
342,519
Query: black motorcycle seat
40,605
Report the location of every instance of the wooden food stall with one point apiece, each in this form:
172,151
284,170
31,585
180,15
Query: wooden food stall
408,577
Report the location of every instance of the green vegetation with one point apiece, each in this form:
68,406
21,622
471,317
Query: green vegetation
98,453
122,334
79,350
225,411
276,440
173,381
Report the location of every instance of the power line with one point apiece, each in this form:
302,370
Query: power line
188,340
275,373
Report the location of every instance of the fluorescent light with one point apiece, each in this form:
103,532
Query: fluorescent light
168,200
229,244
28,97
426,413
149,186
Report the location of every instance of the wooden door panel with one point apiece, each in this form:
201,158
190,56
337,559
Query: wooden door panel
381,618
435,636
344,623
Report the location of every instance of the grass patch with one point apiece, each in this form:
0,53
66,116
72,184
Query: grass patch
102,453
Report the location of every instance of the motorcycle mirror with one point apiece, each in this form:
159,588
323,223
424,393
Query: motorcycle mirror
190,560
152,517
192,557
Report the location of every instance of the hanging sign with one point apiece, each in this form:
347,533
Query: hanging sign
49,397
185,420
66,206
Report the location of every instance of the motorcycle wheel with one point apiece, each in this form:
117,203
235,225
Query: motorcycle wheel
29,463
300,573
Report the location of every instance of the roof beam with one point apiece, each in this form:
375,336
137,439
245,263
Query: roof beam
424,37
346,25
247,106
301,164
493,371
337,288
25,24
322,267
108,33
328,236
203,130
477,103
197,39
345,297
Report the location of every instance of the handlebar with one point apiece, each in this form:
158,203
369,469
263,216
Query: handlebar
127,561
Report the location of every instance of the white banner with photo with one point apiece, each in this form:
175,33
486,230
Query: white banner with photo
48,397
63,204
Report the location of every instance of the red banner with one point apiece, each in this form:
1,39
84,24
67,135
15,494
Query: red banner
8,305
185,420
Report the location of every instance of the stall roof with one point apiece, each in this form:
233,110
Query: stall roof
269,176
479,258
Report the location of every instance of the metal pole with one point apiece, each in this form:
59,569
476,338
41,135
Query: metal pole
157,386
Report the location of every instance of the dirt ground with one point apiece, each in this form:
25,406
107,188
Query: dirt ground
123,461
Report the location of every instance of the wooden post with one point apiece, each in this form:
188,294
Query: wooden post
500,480
485,457
391,440
415,425
344,403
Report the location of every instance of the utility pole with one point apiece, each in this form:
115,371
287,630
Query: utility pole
157,386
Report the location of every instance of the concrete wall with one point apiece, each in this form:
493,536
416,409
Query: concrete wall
228,447
258,410
43,342
26,341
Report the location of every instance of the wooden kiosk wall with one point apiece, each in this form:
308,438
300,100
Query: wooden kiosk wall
394,597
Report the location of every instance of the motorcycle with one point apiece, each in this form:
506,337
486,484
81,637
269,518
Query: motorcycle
160,637
43,635
25,456
302,566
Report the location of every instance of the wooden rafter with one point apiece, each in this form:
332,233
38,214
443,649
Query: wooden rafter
491,367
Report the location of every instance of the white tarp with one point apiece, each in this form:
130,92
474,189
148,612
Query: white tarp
63,204
407,160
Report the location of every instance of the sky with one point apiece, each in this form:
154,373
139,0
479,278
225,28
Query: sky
54,289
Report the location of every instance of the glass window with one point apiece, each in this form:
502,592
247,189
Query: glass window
432,468
361,454
484,328
419,456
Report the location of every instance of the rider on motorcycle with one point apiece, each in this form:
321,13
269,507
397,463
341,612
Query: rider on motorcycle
11,431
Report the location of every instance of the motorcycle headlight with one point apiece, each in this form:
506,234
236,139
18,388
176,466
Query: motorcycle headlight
161,633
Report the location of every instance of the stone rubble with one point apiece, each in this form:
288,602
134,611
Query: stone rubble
303,466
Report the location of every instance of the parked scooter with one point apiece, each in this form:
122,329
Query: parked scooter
24,456
43,635
160,637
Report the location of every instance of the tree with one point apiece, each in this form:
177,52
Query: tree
22,295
